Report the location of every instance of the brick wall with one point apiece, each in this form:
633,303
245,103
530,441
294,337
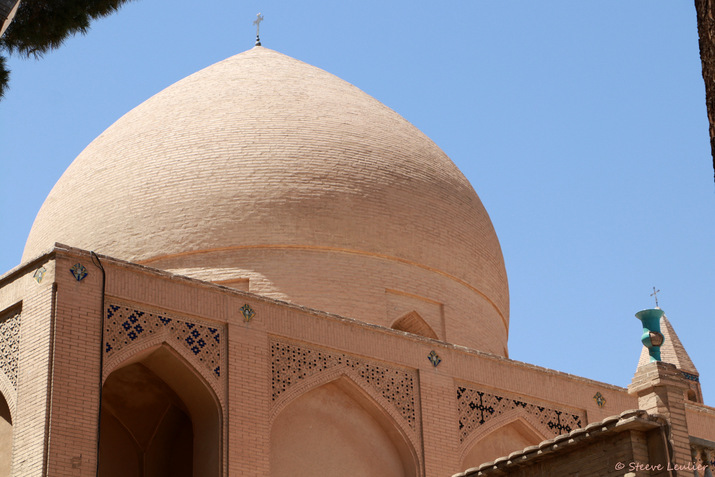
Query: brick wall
61,355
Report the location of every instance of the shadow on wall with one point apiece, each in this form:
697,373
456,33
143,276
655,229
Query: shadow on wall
159,418
5,438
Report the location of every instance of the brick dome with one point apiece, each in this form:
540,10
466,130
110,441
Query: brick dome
266,173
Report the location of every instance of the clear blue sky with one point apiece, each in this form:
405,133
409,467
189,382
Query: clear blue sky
582,126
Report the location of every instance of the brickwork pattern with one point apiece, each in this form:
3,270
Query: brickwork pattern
602,458
292,363
316,277
439,411
74,370
660,387
35,364
477,407
672,351
248,406
125,325
700,420
334,166
10,347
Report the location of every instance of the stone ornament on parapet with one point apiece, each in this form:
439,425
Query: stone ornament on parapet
247,313
78,271
600,400
39,274
434,358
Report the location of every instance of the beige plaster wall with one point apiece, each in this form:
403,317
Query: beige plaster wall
327,432
501,442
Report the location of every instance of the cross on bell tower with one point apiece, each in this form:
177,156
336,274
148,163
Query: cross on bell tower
655,295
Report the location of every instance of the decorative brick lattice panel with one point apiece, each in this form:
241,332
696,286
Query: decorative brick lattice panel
293,363
10,347
477,407
125,325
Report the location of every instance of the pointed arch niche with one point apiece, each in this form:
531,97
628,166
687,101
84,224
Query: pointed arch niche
338,429
159,418
413,323
512,436
5,437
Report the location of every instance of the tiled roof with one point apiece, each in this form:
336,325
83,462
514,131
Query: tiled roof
626,420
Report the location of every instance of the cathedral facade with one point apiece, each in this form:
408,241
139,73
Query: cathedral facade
262,270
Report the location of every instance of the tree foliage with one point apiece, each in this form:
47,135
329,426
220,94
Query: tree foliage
43,25
4,76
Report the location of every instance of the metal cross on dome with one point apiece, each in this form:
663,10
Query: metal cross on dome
655,295
257,22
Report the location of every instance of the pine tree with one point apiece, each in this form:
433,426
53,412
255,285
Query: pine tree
43,25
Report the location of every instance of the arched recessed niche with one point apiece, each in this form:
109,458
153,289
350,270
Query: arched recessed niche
504,440
159,418
5,437
334,427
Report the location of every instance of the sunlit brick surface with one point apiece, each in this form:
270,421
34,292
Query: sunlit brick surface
296,180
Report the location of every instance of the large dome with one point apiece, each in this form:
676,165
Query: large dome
266,173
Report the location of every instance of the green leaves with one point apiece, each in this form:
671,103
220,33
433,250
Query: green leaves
4,76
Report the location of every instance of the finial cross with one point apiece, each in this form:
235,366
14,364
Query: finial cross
257,22
655,295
